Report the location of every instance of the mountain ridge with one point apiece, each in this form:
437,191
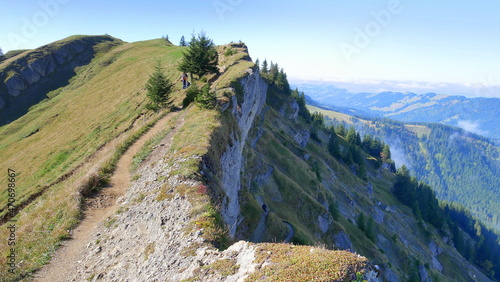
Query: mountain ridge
478,115
200,193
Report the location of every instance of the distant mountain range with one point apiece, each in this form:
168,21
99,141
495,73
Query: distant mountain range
476,115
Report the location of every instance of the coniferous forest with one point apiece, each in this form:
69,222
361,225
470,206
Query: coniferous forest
447,176
461,167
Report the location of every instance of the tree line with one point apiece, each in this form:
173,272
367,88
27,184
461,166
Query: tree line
200,58
483,247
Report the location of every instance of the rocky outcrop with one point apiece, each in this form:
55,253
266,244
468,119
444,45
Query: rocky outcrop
244,112
424,276
342,241
27,78
435,251
324,221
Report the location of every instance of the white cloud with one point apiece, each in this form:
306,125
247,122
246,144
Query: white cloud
471,126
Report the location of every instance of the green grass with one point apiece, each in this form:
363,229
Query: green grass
147,148
235,61
61,135
420,130
224,267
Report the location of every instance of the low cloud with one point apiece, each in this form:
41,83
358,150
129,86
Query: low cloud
471,126
398,154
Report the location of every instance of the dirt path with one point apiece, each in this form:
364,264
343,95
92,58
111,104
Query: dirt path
291,232
65,259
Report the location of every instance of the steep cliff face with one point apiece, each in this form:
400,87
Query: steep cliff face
27,78
254,96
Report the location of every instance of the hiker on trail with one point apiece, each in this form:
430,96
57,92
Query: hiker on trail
264,207
184,79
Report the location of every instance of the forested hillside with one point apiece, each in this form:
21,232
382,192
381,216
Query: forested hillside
438,148
461,167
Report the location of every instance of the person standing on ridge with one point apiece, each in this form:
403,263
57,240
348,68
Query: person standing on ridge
184,79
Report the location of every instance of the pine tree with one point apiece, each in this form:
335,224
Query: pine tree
351,136
273,72
286,84
264,67
386,153
159,88
405,187
183,41
370,229
257,64
317,170
358,139
1,52
303,111
347,157
341,130
201,56
360,222
333,145
318,119
282,81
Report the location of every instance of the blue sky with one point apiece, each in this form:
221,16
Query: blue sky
413,45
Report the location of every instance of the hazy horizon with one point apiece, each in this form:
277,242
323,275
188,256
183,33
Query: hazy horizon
416,87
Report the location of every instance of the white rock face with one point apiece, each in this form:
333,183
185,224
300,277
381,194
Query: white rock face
324,222
255,90
245,259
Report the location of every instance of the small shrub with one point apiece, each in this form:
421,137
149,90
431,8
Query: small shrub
94,183
191,94
140,198
229,52
206,98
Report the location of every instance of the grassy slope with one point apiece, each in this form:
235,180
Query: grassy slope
57,136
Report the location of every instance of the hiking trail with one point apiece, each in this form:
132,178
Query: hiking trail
65,260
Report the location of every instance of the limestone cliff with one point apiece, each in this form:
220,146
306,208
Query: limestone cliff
245,111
